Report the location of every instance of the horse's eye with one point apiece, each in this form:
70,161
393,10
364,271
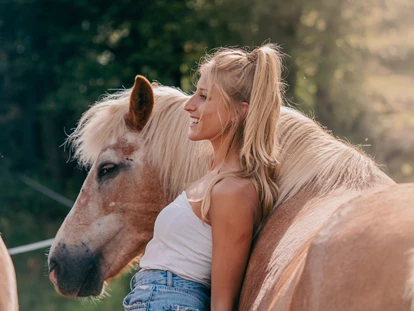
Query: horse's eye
106,169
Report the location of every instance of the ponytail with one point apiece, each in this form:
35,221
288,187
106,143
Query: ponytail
264,109
252,77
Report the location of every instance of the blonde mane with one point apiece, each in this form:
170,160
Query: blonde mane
98,127
312,158
178,160
309,156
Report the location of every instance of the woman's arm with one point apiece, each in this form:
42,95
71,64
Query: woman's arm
232,210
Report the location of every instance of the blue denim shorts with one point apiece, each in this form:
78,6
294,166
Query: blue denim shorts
158,290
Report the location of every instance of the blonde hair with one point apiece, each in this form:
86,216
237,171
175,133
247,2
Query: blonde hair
255,78
105,123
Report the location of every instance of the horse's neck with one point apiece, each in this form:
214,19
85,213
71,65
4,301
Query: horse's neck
287,236
382,180
284,238
299,218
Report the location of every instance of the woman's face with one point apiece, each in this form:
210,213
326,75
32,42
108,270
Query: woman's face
209,116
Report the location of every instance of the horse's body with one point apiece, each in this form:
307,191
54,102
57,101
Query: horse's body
335,253
8,287
139,163
350,248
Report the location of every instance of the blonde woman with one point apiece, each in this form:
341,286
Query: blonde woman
198,255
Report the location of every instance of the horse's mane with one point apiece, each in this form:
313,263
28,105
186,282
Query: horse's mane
179,160
309,156
98,127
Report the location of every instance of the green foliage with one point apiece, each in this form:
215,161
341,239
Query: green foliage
348,61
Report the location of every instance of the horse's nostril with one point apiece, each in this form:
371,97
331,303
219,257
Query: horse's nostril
52,265
53,277
53,271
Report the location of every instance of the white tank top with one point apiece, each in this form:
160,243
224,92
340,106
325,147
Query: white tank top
182,243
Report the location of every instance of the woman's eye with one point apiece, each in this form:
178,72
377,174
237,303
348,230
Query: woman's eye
203,97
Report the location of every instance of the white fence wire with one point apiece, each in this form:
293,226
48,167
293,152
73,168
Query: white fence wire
30,247
49,193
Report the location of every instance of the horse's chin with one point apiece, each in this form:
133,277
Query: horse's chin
89,288
81,293
89,291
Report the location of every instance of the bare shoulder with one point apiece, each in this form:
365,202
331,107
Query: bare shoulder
232,187
233,196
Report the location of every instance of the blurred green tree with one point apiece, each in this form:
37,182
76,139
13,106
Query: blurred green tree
344,59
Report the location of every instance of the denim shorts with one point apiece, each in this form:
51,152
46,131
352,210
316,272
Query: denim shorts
158,290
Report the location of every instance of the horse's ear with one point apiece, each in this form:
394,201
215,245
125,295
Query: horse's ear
141,103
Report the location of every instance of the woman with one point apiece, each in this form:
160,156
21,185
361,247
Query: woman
198,255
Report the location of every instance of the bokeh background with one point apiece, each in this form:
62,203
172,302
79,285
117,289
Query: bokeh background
349,64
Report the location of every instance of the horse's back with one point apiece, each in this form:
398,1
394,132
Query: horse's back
8,287
363,257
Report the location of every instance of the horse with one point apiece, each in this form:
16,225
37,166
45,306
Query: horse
8,287
332,242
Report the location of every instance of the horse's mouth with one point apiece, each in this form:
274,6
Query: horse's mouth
90,286
76,276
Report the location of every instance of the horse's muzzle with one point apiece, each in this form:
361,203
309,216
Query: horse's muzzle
75,271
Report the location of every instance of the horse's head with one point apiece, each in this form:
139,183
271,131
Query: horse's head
114,214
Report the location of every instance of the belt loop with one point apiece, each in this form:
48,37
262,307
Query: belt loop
132,282
169,278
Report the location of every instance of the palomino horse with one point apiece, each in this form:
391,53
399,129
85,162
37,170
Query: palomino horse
341,237
8,287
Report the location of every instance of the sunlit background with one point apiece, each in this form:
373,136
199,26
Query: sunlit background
349,63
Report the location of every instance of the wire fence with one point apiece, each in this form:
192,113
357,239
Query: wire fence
30,247
49,193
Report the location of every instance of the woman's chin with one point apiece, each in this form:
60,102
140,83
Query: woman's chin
193,136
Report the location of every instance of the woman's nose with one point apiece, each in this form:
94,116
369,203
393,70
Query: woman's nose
190,105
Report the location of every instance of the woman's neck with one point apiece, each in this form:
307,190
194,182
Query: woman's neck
226,157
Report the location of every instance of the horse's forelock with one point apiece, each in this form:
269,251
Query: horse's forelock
98,127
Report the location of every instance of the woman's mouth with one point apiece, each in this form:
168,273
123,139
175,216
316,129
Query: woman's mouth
194,121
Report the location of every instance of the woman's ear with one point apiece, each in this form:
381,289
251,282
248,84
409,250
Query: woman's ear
245,109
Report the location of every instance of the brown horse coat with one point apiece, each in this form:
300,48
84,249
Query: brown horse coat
347,251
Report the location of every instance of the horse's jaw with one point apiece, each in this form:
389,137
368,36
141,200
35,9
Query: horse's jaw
81,267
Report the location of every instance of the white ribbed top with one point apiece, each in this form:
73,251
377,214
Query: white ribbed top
182,243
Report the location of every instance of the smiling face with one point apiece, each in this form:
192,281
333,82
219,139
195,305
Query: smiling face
210,118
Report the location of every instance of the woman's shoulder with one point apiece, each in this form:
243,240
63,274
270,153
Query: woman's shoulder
231,187
232,196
